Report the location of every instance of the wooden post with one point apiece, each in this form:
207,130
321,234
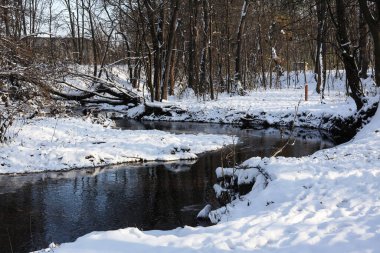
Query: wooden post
306,85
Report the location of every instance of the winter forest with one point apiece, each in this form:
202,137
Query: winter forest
192,126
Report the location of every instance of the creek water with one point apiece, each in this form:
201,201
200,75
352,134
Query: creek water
37,209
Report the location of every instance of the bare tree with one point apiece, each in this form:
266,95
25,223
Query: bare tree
373,21
347,54
320,57
239,36
169,64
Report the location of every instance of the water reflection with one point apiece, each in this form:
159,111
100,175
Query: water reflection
40,208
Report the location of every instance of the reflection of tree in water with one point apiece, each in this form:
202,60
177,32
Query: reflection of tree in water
21,223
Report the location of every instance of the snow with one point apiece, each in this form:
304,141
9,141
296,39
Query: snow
218,190
325,202
273,106
66,143
244,176
203,214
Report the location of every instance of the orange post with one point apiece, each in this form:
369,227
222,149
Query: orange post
306,85
306,91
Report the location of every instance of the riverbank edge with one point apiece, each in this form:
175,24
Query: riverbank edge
342,128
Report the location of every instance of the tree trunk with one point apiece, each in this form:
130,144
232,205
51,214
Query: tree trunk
92,30
192,48
373,22
170,46
352,75
363,47
261,55
5,17
157,42
172,72
228,68
319,58
22,10
211,85
205,40
376,42
72,25
240,31
147,63
79,46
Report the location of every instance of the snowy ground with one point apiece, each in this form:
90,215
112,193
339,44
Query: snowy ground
66,143
272,106
326,202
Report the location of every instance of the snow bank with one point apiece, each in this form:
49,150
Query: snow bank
272,106
244,175
66,143
203,214
326,202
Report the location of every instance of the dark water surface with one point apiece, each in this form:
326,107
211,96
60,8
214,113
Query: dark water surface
38,209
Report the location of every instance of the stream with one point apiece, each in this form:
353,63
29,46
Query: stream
37,209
